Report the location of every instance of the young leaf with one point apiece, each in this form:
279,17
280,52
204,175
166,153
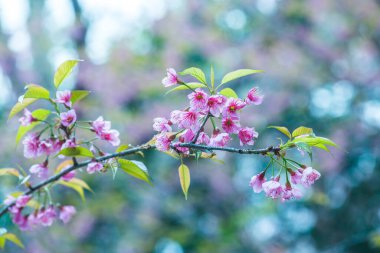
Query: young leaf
77,95
64,165
315,141
81,183
184,178
212,77
9,171
40,114
122,148
2,242
19,106
305,148
184,87
228,92
13,238
195,72
237,74
302,131
75,187
77,151
36,91
134,170
283,130
63,71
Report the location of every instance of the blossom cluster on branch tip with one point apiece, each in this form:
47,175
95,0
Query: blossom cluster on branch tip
222,110
44,216
305,176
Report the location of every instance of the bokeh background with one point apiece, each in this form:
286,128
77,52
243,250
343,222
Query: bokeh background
321,62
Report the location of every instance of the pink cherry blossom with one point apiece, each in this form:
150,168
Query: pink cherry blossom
70,143
175,116
21,221
40,169
198,100
31,143
171,78
220,140
112,136
309,176
47,216
257,182
32,220
66,213
290,193
272,188
246,136
64,97
22,200
45,147
68,118
94,166
230,126
203,138
99,125
69,176
232,106
162,125
27,119
215,104
163,142
189,120
187,136
296,176
254,97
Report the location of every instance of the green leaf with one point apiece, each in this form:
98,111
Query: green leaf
2,242
302,131
75,187
184,178
77,95
77,151
283,130
315,141
322,146
228,92
184,87
237,74
40,114
13,238
19,106
133,169
63,71
195,72
10,172
36,91
122,148
212,77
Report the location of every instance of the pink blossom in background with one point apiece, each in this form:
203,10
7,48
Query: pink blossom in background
272,188
296,176
162,125
66,213
309,176
175,116
99,125
230,126
171,78
254,97
40,169
247,135
68,118
198,100
257,182
112,136
215,104
27,119
162,142
64,97
31,143
94,167
220,140
47,216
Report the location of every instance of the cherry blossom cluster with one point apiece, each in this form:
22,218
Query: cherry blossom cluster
59,134
301,176
44,216
188,124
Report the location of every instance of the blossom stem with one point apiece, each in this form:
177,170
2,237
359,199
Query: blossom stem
200,128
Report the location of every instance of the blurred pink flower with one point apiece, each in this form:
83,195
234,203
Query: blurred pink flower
162,142
64,97
93,167
31,143
272,188
68,118
27,119
309,176
220,140
66,213
40,169
254,97
162,125
171,78
257,182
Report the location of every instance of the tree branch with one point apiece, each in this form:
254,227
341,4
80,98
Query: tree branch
134,150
